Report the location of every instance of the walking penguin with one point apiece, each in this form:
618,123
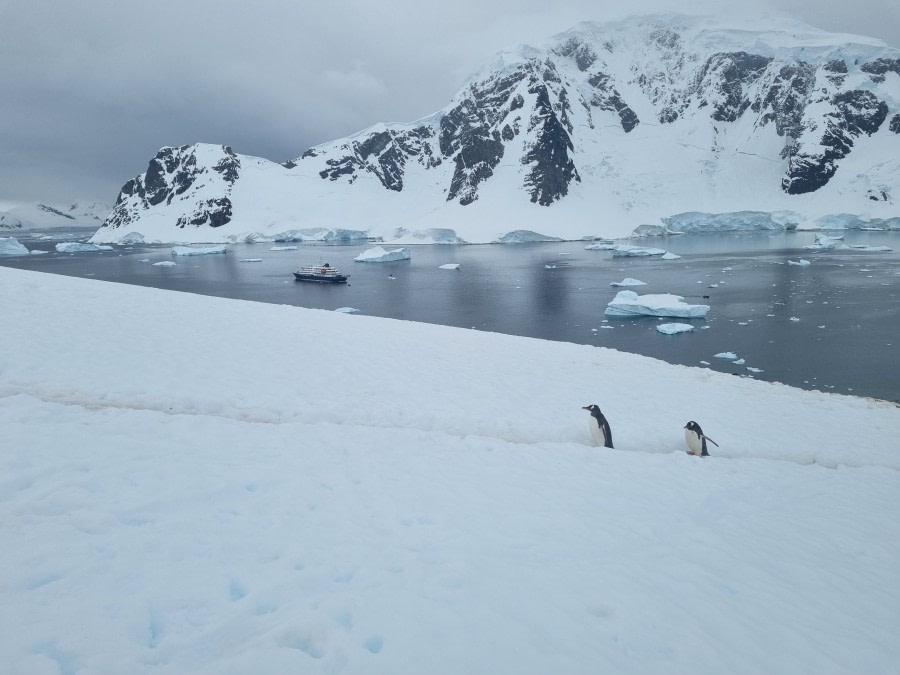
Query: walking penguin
696,440
599,427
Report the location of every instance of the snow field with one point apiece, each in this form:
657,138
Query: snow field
193,484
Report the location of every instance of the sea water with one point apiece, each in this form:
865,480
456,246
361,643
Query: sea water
830,325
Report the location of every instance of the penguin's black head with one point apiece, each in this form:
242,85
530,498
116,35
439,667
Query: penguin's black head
591,408
692,426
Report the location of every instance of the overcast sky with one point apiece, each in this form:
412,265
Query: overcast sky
90,90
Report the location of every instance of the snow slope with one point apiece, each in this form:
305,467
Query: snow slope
592,133
42,215
201,485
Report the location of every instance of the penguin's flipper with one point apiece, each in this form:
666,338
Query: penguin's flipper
710,440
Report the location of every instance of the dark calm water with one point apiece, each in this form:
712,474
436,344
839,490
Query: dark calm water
845,302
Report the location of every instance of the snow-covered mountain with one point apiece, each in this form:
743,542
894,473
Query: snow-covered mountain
601,129
42,215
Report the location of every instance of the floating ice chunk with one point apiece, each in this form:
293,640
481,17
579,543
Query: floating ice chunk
378,254
801,262
725,355
164,263
628,250
754,370
674,328
794,318
871,249
550,267
346,310
250,260
628,281
75,247
283,248
601,246
629,303
704,363
449,266
739,362
191,250
670,256
825,241
36,251
11,246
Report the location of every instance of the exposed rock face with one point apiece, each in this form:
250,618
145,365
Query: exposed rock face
552,119
171,175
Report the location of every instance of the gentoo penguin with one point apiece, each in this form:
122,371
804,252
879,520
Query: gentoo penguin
599,426
696,441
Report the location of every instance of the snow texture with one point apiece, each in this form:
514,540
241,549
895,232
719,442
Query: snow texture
180,495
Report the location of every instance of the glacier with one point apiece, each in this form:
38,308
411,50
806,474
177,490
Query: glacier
654,125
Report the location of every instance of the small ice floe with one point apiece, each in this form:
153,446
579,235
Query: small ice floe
754,370
801,262
75,247
164,263
726,269
346,310
825,241
739,362
629,303
144,260
627,250
674,328
191,250
449,266
250,260
283,248
725,355
601,246
704,363
378,254
550,267
870,249
12,246
36,251
628,281
668,255
794,318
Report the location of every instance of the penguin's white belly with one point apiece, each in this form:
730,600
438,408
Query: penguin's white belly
694,442
597,432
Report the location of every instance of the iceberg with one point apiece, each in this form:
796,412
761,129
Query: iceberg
628,250
164,263
670,256
525,237
802,262
75,247
190,250
11,246
378,254
735,221
628,281
449,266
725,355
674,328
629,303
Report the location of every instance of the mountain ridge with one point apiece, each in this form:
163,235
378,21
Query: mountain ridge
596,131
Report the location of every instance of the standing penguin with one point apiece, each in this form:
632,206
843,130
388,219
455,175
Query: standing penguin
695,439
599,427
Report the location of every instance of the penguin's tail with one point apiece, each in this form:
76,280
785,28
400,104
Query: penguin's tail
710,440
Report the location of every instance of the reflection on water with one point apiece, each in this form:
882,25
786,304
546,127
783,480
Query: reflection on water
830,325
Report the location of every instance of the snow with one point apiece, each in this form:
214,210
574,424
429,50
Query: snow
628,281
378,255
629,303
179,495
629,250
203,250
449,266
674,328
11,246
347,310
77,247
